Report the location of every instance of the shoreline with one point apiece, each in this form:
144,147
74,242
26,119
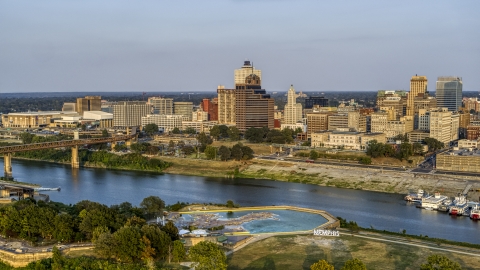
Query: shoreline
396,182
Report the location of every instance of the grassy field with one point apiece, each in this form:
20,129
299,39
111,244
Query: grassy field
201,167
301,251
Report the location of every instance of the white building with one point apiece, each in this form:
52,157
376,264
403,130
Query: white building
444,125
165,122
292,110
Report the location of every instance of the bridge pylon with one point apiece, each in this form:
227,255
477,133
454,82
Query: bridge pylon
7,165
75,159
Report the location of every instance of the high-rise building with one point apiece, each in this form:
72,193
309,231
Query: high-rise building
211,107
449,93
184,108
393,98
242,73
253,106
161,105
317,121
320,101
418,85
129,113
88,103
444,125
226,105
292,110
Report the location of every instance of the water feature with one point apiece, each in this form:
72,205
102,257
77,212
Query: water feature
369,209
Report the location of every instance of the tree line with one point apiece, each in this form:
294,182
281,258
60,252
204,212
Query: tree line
404,149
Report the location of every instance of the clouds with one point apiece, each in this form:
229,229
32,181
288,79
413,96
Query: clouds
191,45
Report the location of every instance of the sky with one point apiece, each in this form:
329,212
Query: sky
152,46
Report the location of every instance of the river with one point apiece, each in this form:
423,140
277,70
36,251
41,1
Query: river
382,211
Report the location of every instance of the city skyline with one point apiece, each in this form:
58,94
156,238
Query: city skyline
55,46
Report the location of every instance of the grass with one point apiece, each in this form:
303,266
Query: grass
301,251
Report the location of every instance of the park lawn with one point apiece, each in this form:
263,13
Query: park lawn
301,251
258,148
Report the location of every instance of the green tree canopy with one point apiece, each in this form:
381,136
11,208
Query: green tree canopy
434,144
314,154
178,252
237,152
207,256
233,133
224,153
176,130
321,265
152,206
211,152
150,129
440,262
354,264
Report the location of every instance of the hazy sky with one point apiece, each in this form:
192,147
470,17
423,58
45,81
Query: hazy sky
69,46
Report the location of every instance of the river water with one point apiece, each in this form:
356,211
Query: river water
382,211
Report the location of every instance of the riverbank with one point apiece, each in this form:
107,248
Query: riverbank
400,182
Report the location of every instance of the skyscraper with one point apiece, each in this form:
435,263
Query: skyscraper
418,85
292,110
449,93
161,105
241,74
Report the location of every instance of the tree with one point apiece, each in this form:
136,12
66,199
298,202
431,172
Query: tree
236,151
178,251
104,245
211,152
104,133
233,133
190,130
374,148
354,264
288,134
152,150
314,154
159,240
215,132
223,131
176,130
321,265
26,137
254,135
208,255
230,204
128,244
150,129
204,140
224,153
152,206
57,259
440,262
171,230
433,144
276,136
417,148
188,150
401,137
119,147
404,151
247,153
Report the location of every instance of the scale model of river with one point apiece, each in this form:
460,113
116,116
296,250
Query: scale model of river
382,211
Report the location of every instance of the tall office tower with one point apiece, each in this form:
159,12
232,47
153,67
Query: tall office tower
88,103
211,107
253,106
161,105
449,93
418,85
320,101
129,113
183,108
226,105
292,110
241,74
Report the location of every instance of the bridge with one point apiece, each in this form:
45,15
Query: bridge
8,150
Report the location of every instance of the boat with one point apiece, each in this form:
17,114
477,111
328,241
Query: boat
445,206
475,212
459,206
47,189
415,197
433,202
